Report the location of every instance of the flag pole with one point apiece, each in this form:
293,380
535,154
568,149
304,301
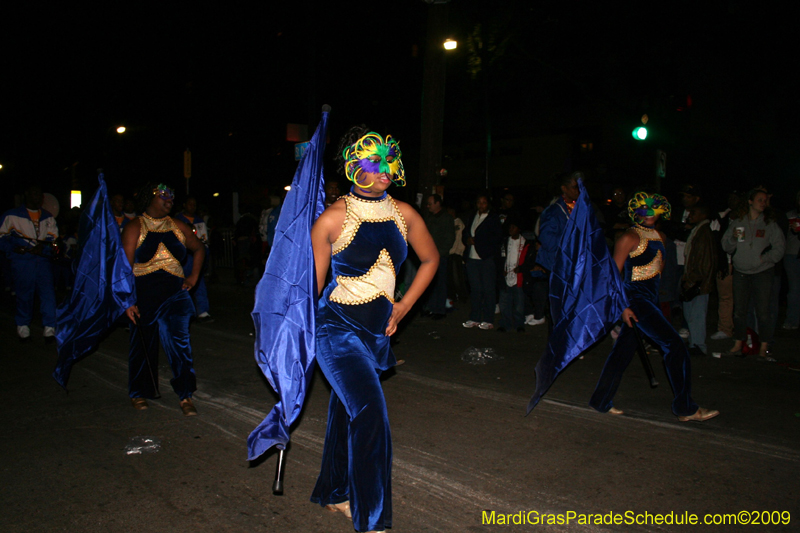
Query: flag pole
140,334
648,367
277,485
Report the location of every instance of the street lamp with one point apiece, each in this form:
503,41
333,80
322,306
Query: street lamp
121,129
74,198
433,84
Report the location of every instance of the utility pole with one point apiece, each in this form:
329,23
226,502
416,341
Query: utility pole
433,83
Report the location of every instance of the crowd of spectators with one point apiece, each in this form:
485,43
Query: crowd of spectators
499,256
736,254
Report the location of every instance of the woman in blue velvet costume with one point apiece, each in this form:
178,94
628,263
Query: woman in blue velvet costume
362,237
156,245
639,256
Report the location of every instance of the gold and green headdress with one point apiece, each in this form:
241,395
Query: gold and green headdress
373,153
164,192
647,205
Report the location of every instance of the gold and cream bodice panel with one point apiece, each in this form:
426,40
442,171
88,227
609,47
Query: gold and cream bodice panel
371,228
164,237
648,260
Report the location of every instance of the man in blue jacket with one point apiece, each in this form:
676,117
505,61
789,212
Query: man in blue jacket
27,234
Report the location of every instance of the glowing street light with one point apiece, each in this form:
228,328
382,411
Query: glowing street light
74,199
121,129
450,44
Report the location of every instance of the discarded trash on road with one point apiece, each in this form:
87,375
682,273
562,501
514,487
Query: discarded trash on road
479,356
140,445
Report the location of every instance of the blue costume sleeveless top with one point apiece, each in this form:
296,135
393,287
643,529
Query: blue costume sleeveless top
355,307
643,267
157,264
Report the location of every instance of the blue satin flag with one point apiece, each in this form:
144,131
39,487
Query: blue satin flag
586,294
103,288
284,311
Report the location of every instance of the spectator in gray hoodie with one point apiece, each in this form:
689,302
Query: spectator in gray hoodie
757,244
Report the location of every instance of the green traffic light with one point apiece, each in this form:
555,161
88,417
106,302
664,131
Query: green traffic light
639,133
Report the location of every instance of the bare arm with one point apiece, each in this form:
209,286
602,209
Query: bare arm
422,243
198,249
624,246
130,238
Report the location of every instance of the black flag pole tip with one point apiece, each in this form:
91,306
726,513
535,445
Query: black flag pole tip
326,108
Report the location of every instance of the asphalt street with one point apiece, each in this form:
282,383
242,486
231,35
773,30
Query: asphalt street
463,447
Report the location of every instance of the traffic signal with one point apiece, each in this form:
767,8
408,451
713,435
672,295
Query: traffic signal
639,133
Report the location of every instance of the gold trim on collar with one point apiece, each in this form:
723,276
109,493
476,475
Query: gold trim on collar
645,236
158,225
358,211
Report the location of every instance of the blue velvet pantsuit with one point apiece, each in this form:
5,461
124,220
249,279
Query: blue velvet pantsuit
165,310
352,351
642,277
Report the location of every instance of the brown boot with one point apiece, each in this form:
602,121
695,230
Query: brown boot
188,407
140,404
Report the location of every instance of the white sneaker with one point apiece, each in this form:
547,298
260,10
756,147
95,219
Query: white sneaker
535,322
684,333
471,324
528,319
49,331
486,325
24,332
720,335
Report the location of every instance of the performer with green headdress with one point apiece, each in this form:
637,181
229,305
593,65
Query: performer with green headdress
364,238
639,255
156,245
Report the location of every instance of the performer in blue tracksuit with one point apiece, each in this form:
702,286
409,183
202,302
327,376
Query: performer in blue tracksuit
27,234
363,237
553,221
200,292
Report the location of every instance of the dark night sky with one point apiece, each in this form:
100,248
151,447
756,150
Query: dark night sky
225,80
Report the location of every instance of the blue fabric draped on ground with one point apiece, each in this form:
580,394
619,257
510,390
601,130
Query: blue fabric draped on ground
284,311
586,295
103,288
